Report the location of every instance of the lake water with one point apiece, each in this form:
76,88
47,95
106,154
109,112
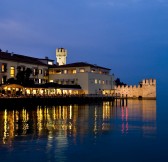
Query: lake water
85,133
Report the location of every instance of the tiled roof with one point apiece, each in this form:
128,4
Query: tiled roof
20,58
79,64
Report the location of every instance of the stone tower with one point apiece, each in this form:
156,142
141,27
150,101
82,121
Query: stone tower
61,55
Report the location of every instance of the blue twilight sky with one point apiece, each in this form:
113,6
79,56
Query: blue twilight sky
128,36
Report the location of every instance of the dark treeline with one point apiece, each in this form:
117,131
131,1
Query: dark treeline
118,82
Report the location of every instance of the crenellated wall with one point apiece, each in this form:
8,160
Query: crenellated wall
146,89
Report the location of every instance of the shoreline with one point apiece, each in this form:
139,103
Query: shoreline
60,100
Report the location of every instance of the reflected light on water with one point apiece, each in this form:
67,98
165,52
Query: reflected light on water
61,123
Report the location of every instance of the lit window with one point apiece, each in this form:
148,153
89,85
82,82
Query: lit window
93,70
74,71
65,71
35,71
4,79
82,70
3,67
51,81
40,71
99,81
12,71
96,81
50,63
103,82
46,72
57,71
39,81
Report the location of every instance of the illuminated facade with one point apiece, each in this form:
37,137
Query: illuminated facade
93,79
9,64
145,89
61,55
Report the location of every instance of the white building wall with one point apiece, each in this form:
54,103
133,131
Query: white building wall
90,82
83,81
16,64
99,82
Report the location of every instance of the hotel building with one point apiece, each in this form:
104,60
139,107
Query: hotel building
91,79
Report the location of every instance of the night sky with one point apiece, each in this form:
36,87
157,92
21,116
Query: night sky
128,36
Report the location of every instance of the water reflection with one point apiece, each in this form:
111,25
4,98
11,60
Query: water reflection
59,124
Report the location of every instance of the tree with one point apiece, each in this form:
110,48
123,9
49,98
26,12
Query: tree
11,81
118,82
28,72
20,77
23,76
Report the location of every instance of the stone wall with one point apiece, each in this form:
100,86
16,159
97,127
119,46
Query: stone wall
146,89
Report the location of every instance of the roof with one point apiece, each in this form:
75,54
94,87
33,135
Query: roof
46,85
54,85
79,64
46,59
20,58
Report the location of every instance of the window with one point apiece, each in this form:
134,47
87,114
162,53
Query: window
103,82
57,71
51,81
39,81
46,72
100,72
93,70
40,71
74,71
99,81
96,81
50,63
65,71
82,70
35,71
3,67
12,71
3,79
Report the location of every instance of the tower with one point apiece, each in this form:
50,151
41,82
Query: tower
61,55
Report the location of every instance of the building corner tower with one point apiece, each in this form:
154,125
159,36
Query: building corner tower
61,55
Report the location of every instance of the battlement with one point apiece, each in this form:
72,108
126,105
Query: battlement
127,87
148,82
145,89
141,84
62,50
